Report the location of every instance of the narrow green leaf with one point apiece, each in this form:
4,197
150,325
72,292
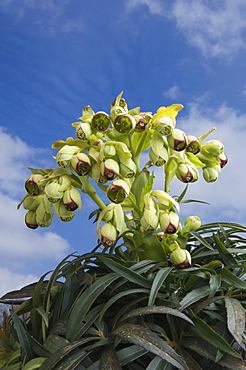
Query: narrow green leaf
118,296
23,339
44,315
156,364
126,272
109,359
201,240
155,309
232,280
157,283
34,363
130,354
145,338
235,319
225,255
189,360
212,337
61,353
214,283
85,301
194,296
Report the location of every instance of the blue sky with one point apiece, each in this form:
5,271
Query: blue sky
58,56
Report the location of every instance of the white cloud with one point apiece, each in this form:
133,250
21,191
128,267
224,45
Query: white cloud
217,29
155,6
11,281
21,248
172,93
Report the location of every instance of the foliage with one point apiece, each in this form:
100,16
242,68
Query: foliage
113,313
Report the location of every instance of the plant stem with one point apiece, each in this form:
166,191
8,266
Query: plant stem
91,191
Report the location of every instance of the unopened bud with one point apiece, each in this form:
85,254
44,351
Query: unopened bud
180,258
210,174
191,223
214,147
30,220
107,235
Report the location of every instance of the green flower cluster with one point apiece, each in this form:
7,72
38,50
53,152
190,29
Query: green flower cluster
106,150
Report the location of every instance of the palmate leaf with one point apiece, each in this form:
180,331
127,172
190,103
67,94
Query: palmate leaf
145,338
235,319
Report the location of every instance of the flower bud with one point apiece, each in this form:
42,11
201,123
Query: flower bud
169,222
32,203
81,164
30,220
62,213
124,123
186,173
72,199
223,159
128,168
210,174
109,169
44,212
191,223
117,191
164,125
109,150
101,122
83,131
150,218
65,154
193,145
107,235
214,147
180,258
33,185
177,140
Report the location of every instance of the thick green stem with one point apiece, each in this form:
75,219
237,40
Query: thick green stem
91,191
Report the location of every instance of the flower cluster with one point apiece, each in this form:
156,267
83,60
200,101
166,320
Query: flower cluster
106,151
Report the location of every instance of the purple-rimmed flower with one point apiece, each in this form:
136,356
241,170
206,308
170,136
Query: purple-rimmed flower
33,185
62,213
193,145
177,140
65,154
101,121
124,123
117,191
169,222
83,131
142,120
223,159
186,173
72,199
30,220
107,235
81,164
109,169
180,258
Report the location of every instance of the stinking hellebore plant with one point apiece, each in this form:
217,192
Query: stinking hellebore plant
106,152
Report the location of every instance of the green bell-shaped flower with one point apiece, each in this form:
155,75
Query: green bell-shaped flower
33,184
81,164
107,235
211,174
193,144
83,131
124,123
117,191
31,220
101,121
186,173
180,258
72,199
169,222
109,169
177,140
65,154
62,213
191,223
214,147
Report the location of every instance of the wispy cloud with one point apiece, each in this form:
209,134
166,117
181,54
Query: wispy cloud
25,248
216,29
172,93
12,281
48,15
